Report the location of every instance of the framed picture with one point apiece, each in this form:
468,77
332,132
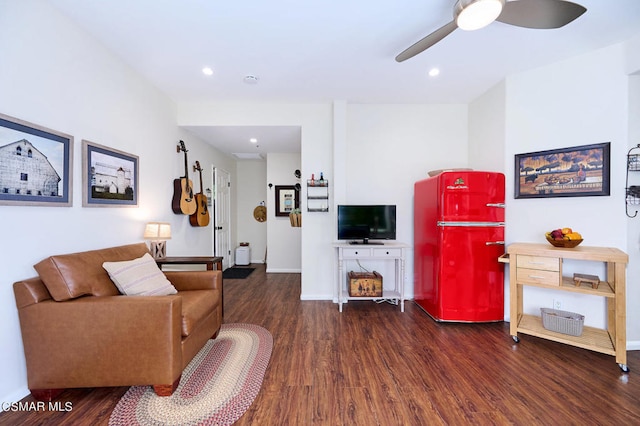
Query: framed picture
109,177
286,200
579,171
35,165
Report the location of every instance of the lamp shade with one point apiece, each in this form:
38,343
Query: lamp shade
475,14
158,231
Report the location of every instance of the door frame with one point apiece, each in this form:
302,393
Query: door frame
217,194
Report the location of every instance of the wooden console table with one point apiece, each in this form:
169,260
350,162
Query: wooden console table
209,261
540,265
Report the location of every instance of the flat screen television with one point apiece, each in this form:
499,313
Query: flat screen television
361,223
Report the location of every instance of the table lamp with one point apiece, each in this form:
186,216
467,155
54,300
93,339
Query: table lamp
157,233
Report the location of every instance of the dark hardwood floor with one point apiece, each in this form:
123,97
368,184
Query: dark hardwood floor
373,365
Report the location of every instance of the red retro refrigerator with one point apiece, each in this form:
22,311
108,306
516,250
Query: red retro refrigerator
458,237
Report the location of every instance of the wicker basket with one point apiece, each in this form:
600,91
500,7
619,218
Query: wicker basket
562,321
564,243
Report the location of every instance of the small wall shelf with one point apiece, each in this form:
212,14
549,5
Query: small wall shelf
317,195
633,191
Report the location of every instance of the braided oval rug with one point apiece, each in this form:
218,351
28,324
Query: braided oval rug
216,388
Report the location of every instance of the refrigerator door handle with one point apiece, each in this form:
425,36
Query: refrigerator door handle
499,205
494,243
470,224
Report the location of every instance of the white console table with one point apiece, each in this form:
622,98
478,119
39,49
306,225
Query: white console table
387,251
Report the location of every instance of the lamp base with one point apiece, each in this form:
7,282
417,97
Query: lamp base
158,249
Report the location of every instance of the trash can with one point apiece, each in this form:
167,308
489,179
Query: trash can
243,255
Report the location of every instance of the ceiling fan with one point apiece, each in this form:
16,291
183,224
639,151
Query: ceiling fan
475,14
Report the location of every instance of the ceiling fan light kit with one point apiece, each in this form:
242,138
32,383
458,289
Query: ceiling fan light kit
475,14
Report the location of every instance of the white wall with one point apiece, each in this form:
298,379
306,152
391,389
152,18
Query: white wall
251,190
583,100
487,116
632,67
633,243
389,148
284,241
56,75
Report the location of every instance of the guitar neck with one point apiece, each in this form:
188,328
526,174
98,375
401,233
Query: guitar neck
186,167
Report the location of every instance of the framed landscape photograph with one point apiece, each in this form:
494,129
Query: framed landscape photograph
35,165
109,177
578,171
286,200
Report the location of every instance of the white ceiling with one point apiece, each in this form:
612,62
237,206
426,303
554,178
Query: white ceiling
323,50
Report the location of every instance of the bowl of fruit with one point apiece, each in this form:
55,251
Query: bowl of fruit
564,237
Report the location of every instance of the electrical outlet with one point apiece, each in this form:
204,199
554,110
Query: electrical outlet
557,304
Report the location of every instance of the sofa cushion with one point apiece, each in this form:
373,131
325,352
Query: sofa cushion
139,277
196,306
73,275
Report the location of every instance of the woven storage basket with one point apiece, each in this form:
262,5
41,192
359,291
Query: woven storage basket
562,321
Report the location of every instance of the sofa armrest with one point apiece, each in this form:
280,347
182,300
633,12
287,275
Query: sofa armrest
113,340
195,280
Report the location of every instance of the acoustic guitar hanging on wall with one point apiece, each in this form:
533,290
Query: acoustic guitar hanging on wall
201,216
183,201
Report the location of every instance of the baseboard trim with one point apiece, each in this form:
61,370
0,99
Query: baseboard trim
316,297
633,345
283,271
15,396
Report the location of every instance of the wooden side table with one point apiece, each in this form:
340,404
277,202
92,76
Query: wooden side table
209,261
541,265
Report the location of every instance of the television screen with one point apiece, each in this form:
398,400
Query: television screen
359,222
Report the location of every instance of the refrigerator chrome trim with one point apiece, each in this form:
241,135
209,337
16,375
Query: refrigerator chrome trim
471,224
500,205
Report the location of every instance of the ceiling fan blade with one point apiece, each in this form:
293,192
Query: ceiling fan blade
540,14
427,42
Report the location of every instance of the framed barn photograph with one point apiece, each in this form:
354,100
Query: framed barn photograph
286,199
35,164
578,171
109,177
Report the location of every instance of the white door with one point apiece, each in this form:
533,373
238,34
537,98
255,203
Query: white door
222,216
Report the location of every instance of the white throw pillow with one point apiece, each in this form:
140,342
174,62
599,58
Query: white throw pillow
139,277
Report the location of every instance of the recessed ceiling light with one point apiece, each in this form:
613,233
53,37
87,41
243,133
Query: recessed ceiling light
253,140
207,71
434,72
250,79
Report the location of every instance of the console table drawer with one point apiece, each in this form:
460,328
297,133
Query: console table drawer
538,276
356,252
387,252
538,262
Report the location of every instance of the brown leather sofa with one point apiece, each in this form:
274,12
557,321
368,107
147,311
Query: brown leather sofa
79,331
